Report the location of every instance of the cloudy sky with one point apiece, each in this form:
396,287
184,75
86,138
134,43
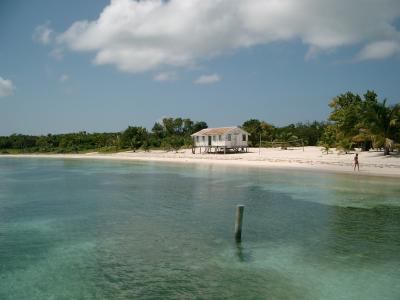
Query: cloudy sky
97,65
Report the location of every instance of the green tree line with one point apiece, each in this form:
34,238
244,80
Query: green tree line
354,121
362,121
307,134
170,134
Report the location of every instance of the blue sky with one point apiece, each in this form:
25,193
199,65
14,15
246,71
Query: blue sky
64,67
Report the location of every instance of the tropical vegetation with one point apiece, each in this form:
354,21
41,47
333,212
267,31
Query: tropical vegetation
170,134
354,121
364,122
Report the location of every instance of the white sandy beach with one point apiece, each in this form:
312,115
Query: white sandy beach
313,158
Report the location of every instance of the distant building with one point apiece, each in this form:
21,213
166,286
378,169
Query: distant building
221,139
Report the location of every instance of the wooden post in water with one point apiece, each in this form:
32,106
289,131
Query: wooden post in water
238,223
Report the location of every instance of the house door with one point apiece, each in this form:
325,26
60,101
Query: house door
209,141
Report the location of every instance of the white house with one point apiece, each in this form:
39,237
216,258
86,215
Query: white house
221,139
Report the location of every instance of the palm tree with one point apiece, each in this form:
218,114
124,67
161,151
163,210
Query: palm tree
380,122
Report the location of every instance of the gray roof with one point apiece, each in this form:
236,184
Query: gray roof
218,131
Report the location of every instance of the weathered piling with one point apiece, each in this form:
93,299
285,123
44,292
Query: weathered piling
238,223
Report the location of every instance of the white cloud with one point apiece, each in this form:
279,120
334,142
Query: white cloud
64,77
43,33
6,87
166,76
138,36
208,79
379,50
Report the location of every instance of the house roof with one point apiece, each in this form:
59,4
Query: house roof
217,131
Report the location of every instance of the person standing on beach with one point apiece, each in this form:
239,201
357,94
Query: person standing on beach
356,164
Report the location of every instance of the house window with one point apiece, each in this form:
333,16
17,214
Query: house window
220,137
214,138
229,137
203,138
197,138
244,137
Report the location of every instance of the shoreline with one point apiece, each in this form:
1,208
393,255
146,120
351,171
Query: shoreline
311,159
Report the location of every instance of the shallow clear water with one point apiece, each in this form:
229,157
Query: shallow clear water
73,229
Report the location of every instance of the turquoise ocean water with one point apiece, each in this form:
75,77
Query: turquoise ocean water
74,229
